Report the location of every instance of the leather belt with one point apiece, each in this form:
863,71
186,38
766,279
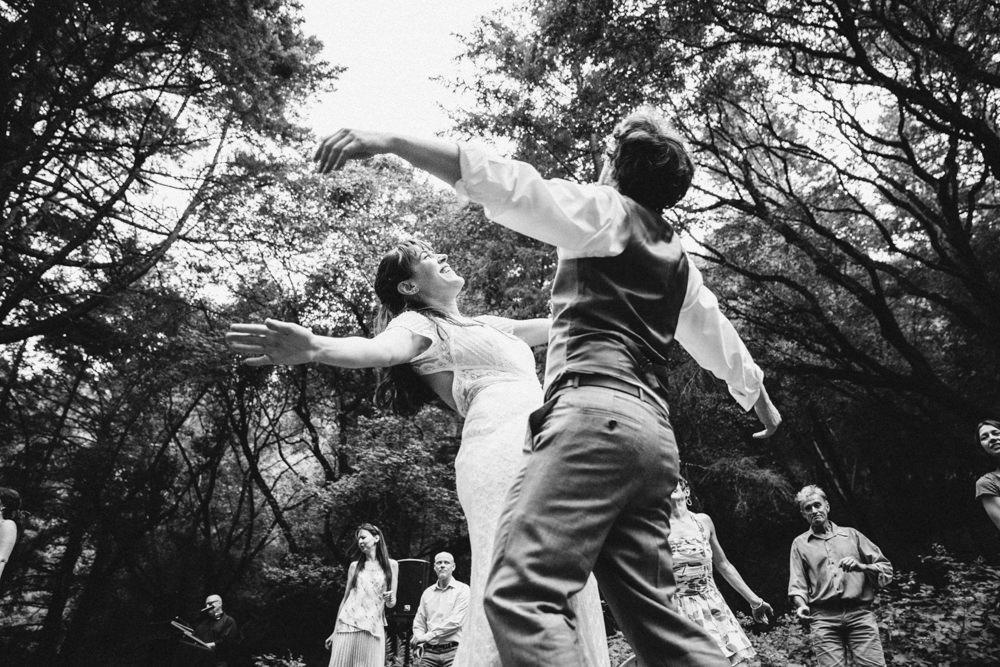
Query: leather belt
606,381
440,648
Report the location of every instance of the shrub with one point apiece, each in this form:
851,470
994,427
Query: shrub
944,613
272,660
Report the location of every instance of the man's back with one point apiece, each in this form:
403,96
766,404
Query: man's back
616,315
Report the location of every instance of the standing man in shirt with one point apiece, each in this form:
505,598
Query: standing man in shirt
219,631
441,614
833,574
594,494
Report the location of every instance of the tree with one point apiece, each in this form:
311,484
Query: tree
117,120
845,211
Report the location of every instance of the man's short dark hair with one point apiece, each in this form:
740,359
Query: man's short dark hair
651,164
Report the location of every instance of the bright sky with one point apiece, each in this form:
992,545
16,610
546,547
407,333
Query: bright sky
392,49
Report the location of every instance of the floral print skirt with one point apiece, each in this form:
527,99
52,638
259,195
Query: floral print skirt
700,600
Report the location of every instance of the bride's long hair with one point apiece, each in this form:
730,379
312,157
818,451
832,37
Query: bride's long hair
399,387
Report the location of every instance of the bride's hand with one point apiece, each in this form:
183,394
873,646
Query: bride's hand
273,342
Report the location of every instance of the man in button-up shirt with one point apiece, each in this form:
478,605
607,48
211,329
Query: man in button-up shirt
441,614
833,574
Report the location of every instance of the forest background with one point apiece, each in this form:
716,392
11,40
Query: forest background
154,187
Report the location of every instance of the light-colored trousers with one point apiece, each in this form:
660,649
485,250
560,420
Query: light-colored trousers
837,633
593,496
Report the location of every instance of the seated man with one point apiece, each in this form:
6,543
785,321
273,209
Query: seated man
443,608
833,574
219,631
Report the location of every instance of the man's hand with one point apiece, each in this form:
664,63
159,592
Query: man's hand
851,564
767,414
802,613
420,638
344,145
761,612
210,645
273,342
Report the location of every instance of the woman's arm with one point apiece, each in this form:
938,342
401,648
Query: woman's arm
534,331
992,506
729,572
347,589
8,536
394,568
351,573
276,342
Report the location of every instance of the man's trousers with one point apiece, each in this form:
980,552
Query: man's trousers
593,496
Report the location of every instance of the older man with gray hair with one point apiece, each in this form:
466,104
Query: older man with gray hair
833,574
219,631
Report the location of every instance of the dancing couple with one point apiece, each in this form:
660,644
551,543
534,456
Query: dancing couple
592,493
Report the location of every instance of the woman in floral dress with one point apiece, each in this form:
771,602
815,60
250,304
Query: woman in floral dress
696,550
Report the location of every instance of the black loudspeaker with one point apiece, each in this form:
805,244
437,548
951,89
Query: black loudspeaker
414,577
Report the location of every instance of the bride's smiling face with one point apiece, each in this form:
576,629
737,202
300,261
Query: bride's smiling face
432,278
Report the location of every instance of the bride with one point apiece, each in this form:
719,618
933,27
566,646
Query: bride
482,367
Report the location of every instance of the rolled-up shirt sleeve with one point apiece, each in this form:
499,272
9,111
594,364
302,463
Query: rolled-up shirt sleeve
797,583
710,338
585,220
420,619
880,573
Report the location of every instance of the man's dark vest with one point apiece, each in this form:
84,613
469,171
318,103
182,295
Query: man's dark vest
617,315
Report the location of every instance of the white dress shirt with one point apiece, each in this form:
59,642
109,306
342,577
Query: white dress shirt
442,612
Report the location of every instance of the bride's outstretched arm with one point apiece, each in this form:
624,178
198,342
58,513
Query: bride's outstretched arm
276,342
534,331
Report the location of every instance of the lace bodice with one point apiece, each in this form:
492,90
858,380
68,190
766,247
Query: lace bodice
478,353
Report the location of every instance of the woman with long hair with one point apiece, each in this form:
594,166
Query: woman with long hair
988,486
481,367
358,639
10,507
696,551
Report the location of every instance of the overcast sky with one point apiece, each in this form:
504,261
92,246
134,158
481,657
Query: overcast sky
392,49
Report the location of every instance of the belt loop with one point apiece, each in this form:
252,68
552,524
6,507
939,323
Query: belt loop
574,380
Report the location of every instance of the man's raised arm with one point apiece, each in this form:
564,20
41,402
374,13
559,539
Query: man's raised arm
580,218
710,338
437,157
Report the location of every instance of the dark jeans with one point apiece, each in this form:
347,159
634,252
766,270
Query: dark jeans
837,632
593,496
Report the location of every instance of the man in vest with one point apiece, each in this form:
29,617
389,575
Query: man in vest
594,495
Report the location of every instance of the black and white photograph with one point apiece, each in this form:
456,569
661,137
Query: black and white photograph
499,333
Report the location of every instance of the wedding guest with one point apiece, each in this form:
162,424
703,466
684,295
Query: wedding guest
358,639
833,574
443,610
988,486
696,549
219,631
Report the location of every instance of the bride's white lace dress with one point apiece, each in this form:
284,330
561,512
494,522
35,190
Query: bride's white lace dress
495,388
